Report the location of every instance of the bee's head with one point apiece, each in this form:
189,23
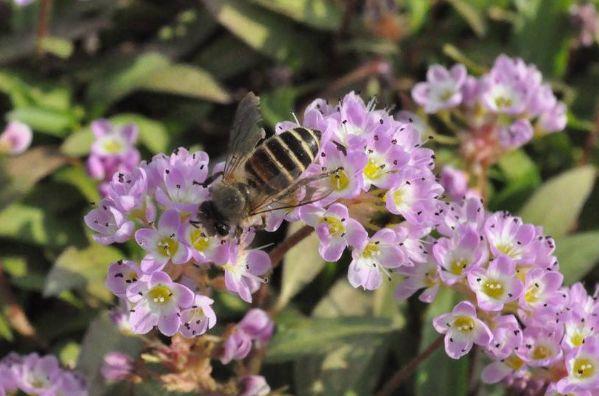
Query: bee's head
212,220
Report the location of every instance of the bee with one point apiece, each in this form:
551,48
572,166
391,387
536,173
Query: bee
260,175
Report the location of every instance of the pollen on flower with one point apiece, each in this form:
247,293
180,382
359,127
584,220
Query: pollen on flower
199,240
371,250
373,171
168,246
335,225
541,352
493,288
465,324
113,146
514,362
583,368
509,250
160,294
457,266
339,180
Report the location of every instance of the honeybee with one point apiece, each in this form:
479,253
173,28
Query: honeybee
260,175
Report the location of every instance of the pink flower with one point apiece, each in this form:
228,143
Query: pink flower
117,366
16,138
497,285
198,318
459,255
583,369
243,270
442,90
462,329
109,224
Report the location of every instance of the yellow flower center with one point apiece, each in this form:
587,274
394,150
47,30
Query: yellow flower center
514,362
577,339
446,95
112,146
131,277
371,250
168,246
336,227
199,240
399,196
465,324
493,288
531,295
502,102
160,294
583,368
429,279
457,266
509,250
541,352
339,180
373,171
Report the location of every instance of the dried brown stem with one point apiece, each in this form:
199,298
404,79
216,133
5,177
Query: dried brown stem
42,24
277,254
406,372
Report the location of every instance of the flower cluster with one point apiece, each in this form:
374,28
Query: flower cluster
15,139
255,328
38,375
586,19
501,110
375,165
516,308
112,151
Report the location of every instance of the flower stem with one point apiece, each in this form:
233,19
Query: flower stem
277,254
42,24
406,372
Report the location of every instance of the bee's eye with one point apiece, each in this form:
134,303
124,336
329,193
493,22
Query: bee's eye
222,229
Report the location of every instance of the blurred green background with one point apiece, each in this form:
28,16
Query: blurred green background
177,68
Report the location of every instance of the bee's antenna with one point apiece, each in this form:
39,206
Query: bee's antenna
295,118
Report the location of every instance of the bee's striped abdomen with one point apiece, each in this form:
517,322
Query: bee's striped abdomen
281,159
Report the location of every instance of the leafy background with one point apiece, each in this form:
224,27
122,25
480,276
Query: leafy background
176,68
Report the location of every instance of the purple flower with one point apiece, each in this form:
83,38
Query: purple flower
583,369
450,215
71,384
347,180
372,258
158,301
414,196
462,329
420,276
460,254
542,290
335,229
578,329
8,380
162,244
203,248
385,159
199,318
253,385
442,90
497,285
236,347
129,193
258,325
16,138
110,224
454,182
116,366
23,3
113,149
37,375
508,236
585,17
121,275
181,179
554,119
501,369
516,134
507,336
243,269
540,346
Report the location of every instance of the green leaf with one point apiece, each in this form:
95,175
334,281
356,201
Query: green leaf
69,353
227,56
21,173
46,120
118,81
320,14
57,46
268,33
37,225
577,255
102,336
351,369
186,80
78,144
83,269
539,36
556,205
320,335
77,176
335,303
521,178
439,372
417,10
472,15
302,264
5,330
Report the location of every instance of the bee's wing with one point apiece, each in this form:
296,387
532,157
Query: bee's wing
244,135
311,188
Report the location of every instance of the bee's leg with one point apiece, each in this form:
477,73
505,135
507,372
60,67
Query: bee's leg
212,178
